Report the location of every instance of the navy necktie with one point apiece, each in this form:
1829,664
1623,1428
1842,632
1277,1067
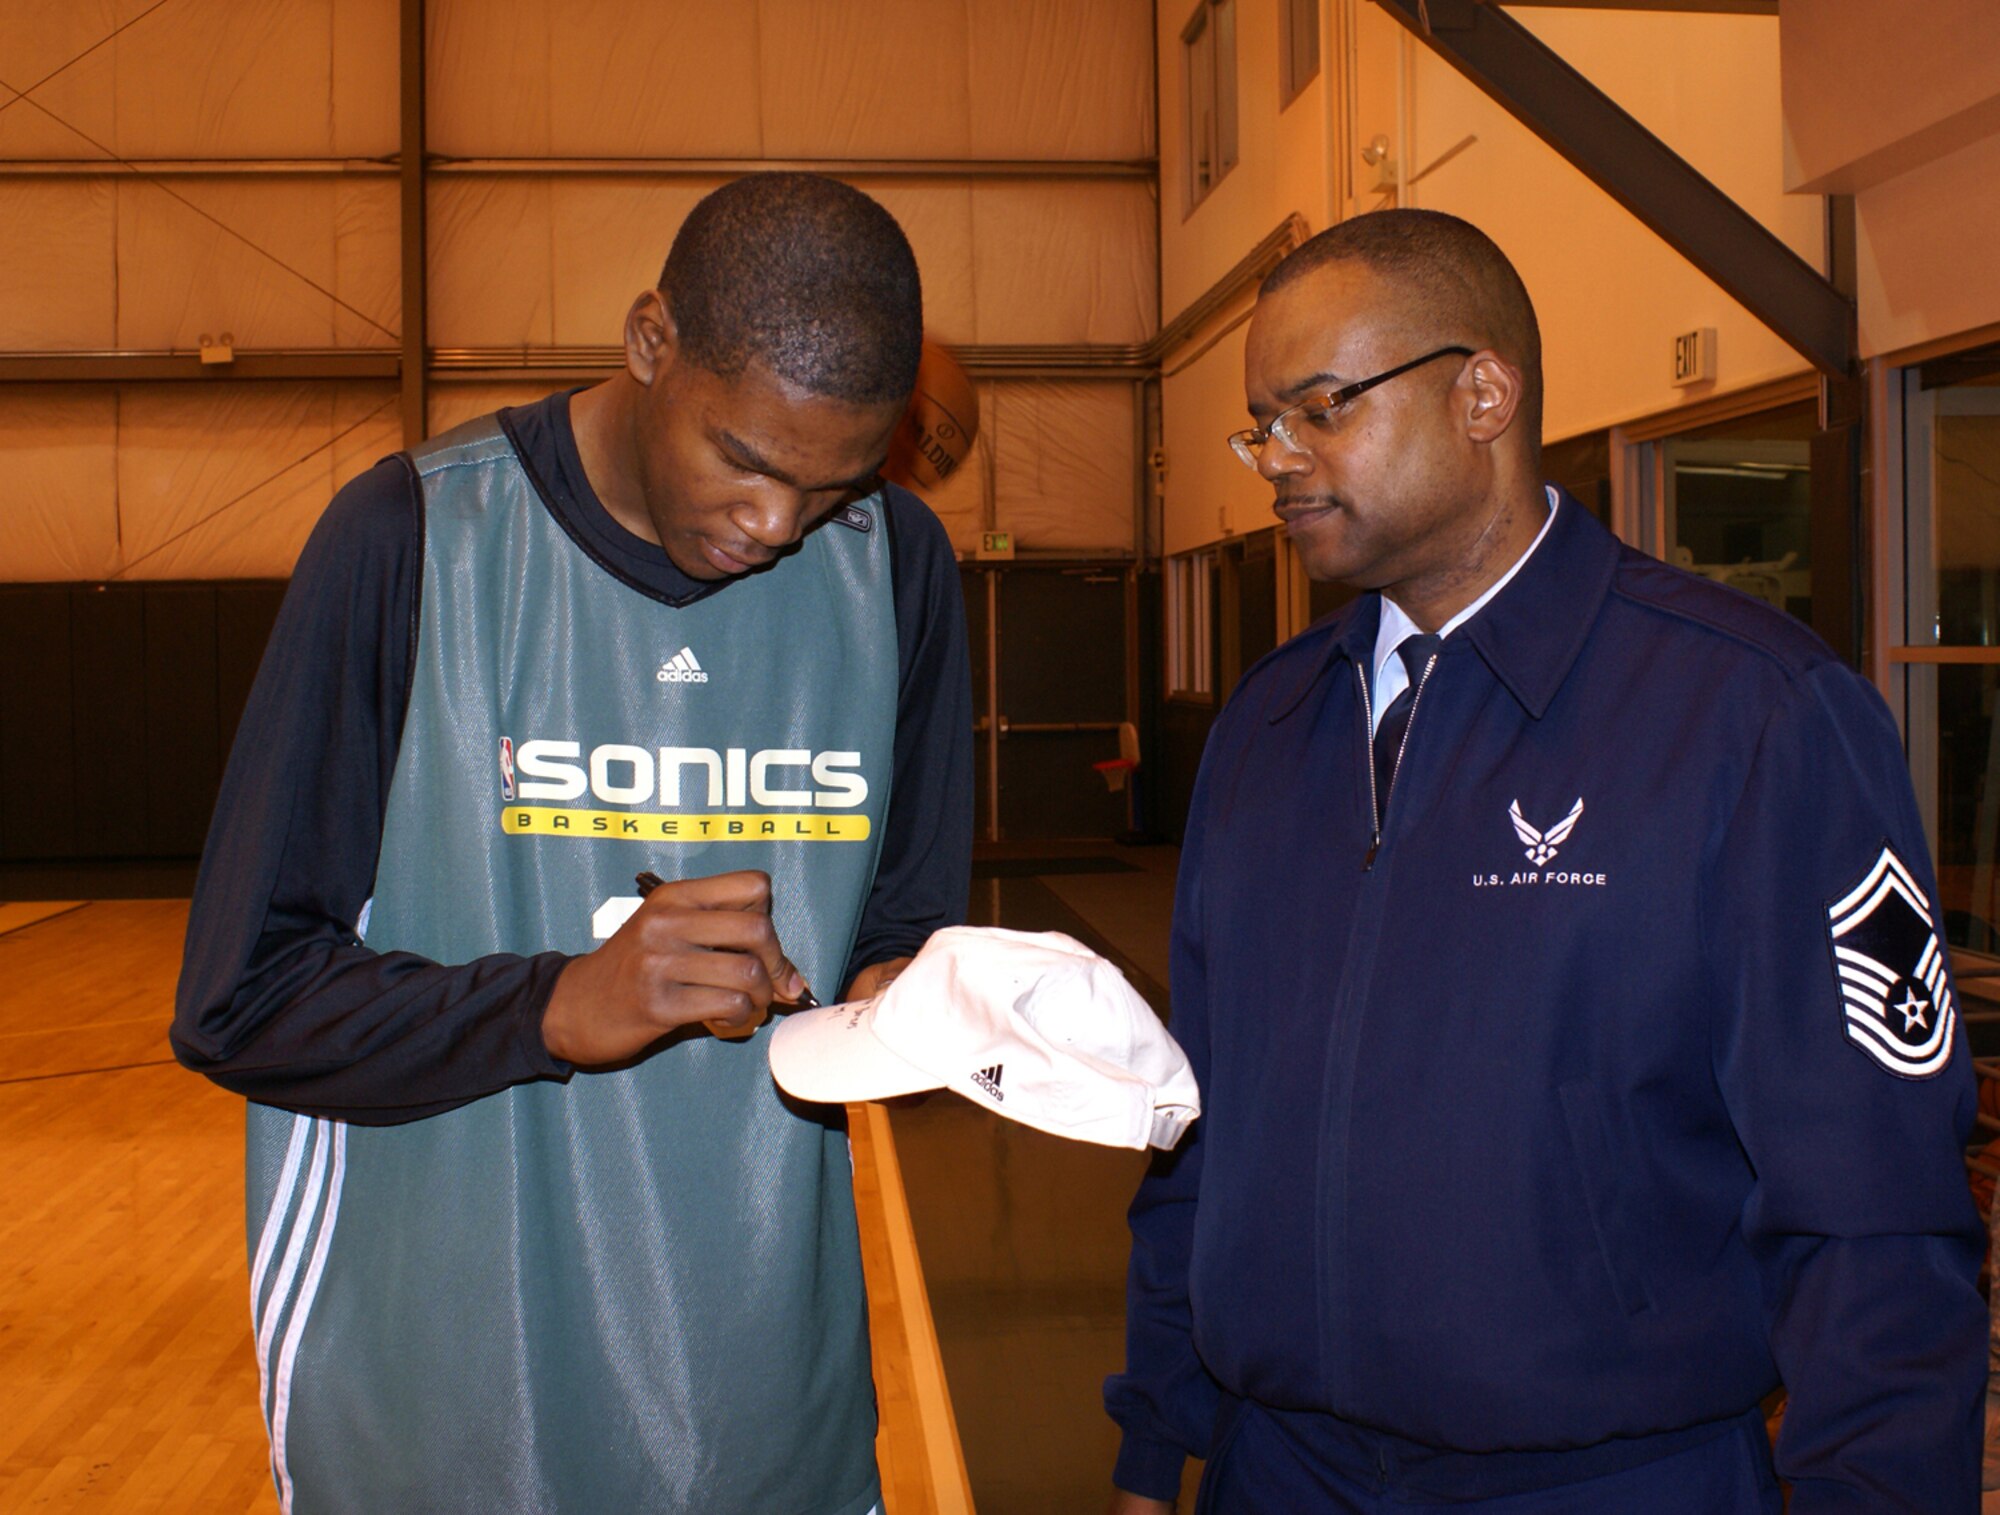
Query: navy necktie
1416,653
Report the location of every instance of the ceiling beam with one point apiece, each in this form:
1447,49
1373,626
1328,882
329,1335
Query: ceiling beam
153,367
1707,7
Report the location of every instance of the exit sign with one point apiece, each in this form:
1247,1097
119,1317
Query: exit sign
996,544
1694,356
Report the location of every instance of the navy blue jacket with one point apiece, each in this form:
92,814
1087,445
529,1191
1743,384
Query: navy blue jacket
1533,1150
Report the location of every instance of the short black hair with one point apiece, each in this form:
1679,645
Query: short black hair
804,273
1461,286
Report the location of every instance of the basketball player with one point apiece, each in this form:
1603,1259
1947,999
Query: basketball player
530,1227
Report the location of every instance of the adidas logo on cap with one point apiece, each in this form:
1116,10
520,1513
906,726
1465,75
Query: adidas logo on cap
989,1080
681,668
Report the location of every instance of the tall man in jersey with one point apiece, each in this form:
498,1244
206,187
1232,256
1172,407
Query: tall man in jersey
530,1227
1558,950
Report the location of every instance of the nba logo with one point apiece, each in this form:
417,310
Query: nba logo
507,770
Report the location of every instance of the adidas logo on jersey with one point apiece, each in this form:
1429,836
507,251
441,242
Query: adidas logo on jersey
989,1080
681,668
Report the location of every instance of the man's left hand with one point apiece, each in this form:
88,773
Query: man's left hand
872,980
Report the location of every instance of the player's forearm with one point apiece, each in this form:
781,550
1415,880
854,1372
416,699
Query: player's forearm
374,1038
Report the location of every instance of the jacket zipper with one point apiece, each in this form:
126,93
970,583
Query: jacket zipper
1375,799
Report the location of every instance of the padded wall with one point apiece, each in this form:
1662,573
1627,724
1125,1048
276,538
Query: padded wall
222,479
117,707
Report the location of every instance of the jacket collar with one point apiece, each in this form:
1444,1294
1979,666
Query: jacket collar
1530,634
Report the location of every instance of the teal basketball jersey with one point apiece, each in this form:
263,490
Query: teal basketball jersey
640,1290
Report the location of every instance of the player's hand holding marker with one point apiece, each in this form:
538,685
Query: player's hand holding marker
700,949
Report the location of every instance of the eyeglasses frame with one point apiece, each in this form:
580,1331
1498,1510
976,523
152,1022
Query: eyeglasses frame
1250,443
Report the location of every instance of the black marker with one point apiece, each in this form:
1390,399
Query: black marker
650,881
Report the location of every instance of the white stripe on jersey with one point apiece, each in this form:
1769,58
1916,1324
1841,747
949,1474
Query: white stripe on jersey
294,1249
281,1400
267,1241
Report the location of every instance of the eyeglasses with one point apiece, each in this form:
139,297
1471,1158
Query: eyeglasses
1322,411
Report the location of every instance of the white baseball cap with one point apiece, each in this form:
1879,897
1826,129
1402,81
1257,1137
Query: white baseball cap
1033,1025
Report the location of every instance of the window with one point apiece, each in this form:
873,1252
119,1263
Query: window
1208,69
1298,47
1191,625
1730,500
1738,504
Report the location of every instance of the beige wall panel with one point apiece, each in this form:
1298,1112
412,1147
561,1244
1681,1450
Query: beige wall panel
1061,78
1064,262
367,427
1926,246
517,260
453,404
1612,296
1209,494
672,79
1280,169
1872,90
85,465
245,78
180,275
864,79
1062,475
1279,157
58,272
608,240
486,74
58,484
1303,145
367,262
1612,307
367,78
221,481
40,37
937,218
1706,85
491,263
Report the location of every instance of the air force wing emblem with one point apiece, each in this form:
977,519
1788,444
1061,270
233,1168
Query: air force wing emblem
1895,994
1542,845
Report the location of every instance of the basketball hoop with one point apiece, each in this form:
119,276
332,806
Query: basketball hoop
1114,772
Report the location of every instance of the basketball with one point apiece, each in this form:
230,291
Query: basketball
937,430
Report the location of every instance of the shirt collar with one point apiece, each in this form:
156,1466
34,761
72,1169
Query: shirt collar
1531,629
1395,627
1531,635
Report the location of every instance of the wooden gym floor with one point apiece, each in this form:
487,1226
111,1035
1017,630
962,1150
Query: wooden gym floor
127,1380
126,1376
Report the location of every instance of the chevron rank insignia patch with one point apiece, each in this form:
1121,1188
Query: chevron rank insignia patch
1895,994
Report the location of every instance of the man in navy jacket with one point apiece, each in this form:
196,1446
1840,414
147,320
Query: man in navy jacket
1580,1059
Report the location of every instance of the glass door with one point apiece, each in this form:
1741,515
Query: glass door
1951,632
1737,505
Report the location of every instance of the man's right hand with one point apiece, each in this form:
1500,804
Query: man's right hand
698,950
1123,1503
